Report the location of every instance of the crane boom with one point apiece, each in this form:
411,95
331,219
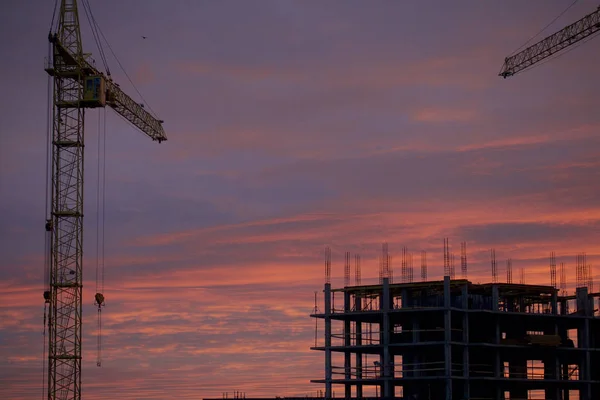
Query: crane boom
133,112
78,85
552,44
114,97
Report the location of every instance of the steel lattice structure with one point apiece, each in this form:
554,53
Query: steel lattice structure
71,96
577,31
66,251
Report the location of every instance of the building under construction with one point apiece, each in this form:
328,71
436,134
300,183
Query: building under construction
453,339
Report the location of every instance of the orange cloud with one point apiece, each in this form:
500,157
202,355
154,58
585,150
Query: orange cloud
444,115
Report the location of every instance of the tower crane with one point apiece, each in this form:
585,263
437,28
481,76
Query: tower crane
577,31
78,85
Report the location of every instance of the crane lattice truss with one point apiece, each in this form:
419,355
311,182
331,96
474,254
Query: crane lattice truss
77,86
551,45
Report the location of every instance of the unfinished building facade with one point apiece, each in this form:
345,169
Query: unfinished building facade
454,339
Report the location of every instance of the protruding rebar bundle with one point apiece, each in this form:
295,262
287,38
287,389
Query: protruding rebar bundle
585,274
446,257
578,271
327,265
580,277
380,270
357,278
347,269
410,267
423,266
563,280
452,269
494,266
553,269
384,264
404,268
522,280
509,271
463,259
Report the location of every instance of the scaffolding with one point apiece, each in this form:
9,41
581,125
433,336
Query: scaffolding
453,339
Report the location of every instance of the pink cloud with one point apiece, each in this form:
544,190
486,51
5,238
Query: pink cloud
432,115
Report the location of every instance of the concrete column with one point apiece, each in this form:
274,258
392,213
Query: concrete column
495,298
498,365
347,344
588,364
465,337
447,338
557,364
358,356
583,307
565,377
550,368
416,360
583,303
517,364
328,370
387,368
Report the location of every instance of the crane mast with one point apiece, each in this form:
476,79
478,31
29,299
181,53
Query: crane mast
77,85
552,44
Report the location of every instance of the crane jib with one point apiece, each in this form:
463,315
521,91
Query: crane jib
577,31
100,91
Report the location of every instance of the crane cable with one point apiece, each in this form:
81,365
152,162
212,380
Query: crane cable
100,224
545,27
97,30
101,188
53,16
47,214
98,189
47,211
537,34
103,229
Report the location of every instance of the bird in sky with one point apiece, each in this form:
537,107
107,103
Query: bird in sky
143,37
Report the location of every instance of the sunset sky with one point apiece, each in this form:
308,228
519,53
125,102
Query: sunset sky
292,125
